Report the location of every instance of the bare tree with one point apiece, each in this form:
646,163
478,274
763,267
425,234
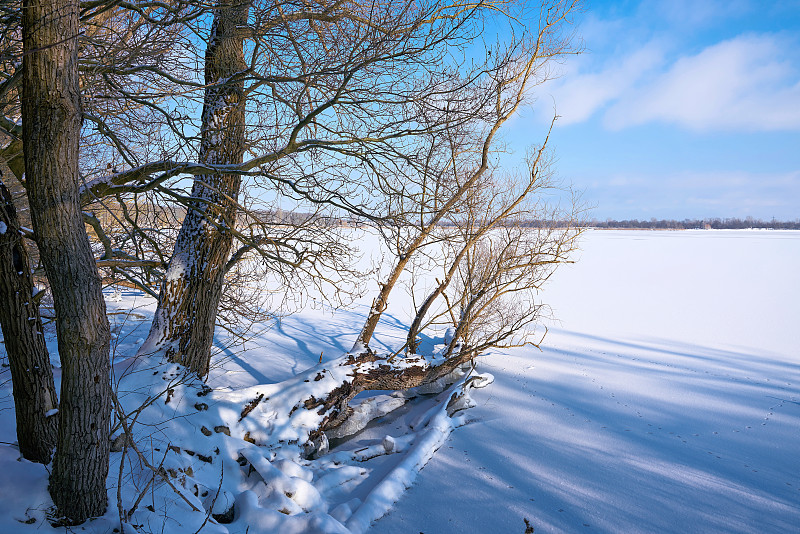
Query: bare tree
461,148
345,99
496,251
490,209
497,242
51,112
190,293
494,296
35,399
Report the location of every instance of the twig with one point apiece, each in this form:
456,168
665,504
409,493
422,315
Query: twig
251,406
214,501
123,518
147,486
160,473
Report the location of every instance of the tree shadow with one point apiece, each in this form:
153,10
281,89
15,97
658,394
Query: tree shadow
297,342
620,436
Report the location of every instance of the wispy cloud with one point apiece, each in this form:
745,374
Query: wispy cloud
696,194
579,95
681,62
742,84
683,109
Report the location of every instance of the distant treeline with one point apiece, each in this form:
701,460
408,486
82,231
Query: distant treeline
297,218
694,224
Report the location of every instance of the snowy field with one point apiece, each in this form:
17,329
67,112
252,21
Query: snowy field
666,399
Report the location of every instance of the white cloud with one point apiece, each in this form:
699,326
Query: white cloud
739,84
578,96
664,61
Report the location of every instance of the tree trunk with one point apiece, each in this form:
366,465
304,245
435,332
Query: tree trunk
31,374
187,309
51,112
337,382
382,375
380,303
416,324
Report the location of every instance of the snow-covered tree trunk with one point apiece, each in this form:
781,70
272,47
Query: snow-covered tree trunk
304,409
51,112
370,372
35,396
183,325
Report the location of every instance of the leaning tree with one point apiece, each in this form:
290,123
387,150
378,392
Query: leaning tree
347,106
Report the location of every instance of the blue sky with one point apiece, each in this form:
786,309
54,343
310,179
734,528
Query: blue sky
679,109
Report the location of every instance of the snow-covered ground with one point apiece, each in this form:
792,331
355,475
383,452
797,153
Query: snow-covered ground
666,398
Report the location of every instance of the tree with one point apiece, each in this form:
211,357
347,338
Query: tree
493,264
450,198
192,288
35,399
380,112
349,100
461,146
10,79
51,112
493,251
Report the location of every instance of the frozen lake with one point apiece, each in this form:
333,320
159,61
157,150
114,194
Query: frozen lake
666,399
725,289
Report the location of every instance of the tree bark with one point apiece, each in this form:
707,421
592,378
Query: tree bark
187,309
51,111
31,373
380,303
366,371
383,376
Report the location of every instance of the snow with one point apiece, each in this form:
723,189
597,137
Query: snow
3,228
448,335
368,410
666,398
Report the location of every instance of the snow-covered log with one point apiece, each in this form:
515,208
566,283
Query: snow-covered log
252,457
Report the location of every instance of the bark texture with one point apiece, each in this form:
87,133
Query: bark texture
31,373
187,309
51,112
